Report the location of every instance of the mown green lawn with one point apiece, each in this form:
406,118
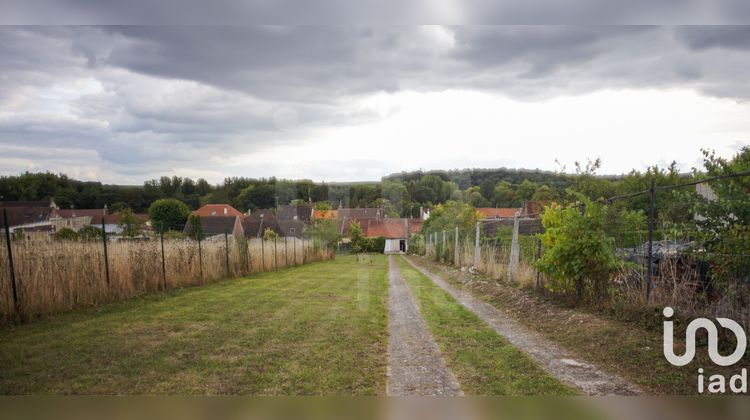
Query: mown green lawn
315,329
484,363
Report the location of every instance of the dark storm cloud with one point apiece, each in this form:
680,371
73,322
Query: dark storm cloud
151,96
368,12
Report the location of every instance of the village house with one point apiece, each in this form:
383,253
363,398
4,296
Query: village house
215,227
395,231
256,223
217,210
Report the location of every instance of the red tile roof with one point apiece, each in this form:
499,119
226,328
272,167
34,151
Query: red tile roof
217,210
497,213
325,214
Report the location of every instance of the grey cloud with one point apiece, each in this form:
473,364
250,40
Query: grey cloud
183,95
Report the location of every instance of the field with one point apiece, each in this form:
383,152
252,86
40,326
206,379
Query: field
315,329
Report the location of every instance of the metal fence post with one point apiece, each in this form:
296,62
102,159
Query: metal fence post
286,254
275,255
163,260
650,259
294,247
226,252
303,251
10,261
106,256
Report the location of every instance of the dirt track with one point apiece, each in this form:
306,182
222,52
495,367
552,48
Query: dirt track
415,366
589,379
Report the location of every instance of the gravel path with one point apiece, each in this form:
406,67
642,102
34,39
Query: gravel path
589,379
415,366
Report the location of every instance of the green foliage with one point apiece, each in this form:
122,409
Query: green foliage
195,228
168,214
578,257
270,235
326,232
130,223
65,234
450,215
119,207
90,232
361,244
725,223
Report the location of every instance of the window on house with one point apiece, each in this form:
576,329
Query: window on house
291,230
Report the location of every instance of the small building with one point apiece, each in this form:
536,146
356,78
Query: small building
255,224
215,226
395,231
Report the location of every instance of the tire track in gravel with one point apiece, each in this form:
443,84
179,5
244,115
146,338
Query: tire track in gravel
415,365
588,378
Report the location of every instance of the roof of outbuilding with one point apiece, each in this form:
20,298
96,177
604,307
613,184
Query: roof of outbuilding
215,225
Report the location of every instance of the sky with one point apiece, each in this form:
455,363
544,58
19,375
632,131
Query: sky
124,104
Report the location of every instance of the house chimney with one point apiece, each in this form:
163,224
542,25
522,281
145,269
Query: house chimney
105,210
225,211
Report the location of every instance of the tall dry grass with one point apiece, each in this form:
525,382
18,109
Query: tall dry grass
58,276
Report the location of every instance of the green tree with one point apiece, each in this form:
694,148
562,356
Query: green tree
578,257
725,221
168,214
326,232
450,215
130,223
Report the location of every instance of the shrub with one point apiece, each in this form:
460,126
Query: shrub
168,214
578,257
66,234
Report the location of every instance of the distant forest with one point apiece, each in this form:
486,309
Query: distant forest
401,194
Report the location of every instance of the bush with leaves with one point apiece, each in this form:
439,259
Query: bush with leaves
578,257
130,223
168,214
326,232
270,235
66,234
725,222
90,232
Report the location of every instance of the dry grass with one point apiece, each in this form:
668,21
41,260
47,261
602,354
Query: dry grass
59,276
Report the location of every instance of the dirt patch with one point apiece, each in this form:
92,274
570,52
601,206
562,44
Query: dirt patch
415,366
571,370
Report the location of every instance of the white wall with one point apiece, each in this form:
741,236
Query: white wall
391,245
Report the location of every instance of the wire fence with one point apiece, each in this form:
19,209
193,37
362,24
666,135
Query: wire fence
678,246
38,278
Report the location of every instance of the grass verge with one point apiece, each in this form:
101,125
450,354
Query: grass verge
315,329
484,363
627,349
